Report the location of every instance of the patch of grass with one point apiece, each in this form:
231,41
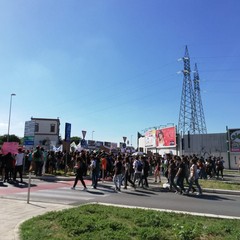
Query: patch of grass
113,223
231,172
219,184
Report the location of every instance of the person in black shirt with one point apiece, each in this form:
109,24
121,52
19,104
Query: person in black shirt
145,170
80,169
180,174
117,178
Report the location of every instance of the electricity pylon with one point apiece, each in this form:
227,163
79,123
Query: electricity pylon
186,122
198,107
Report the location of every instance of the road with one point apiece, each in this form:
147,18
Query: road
155,197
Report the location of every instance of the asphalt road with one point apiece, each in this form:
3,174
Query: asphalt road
154,197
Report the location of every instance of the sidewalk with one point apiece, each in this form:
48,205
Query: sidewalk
14,212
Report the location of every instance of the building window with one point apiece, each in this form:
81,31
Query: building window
36,127
52,128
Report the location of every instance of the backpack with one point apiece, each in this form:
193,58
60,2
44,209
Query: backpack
93,164
139,166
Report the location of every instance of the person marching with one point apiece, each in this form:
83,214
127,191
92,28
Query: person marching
117,178
80,168
193,178
127,173
19,158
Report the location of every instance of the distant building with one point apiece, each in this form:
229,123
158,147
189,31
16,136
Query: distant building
42,131
225,145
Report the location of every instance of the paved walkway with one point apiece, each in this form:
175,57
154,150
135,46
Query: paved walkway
14,212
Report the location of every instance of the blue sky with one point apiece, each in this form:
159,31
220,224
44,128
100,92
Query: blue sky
111,66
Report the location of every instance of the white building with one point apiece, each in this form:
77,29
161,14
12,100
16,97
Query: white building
42,131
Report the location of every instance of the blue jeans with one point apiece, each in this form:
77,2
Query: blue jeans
191,182
94,178
117,179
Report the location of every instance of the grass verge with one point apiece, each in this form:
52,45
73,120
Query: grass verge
219,184
106,222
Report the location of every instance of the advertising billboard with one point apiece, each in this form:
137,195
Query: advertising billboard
234,135
150,137
29,129
166,137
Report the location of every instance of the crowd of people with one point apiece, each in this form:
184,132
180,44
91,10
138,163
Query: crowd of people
123,169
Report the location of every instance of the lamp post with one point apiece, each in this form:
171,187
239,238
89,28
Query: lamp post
9,120
92,134
131,145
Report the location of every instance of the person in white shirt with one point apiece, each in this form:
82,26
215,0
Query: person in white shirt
193,178
137,166
19,158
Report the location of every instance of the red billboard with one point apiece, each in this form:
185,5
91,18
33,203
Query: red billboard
166,137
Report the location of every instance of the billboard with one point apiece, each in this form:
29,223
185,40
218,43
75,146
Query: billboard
29,133
29,129
234,137
150,137
166,137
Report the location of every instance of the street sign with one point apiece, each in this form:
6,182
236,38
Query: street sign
84,134
29,140
83,143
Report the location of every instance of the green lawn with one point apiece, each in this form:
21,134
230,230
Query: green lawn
104,222
219,184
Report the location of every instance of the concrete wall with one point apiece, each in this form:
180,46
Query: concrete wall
206,145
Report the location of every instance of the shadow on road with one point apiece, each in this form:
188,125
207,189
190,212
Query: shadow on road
3,185
137,193
209,197
22,185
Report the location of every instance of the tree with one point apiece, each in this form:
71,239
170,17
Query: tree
12,138
76,140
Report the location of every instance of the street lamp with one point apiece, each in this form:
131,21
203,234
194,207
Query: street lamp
131,145
92,134
13,94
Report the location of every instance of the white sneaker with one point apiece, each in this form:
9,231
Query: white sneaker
85,189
